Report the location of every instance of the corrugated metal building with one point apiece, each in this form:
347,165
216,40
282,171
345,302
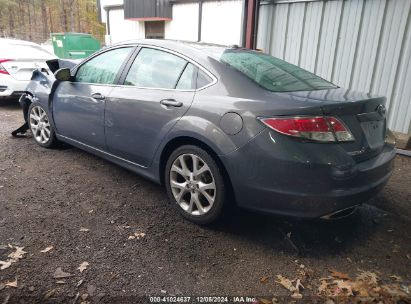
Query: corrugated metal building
363,45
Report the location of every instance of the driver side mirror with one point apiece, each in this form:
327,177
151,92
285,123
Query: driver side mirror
63,74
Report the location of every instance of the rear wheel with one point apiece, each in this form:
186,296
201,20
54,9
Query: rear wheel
195,184
40,126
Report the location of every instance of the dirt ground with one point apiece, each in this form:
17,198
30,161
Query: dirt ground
136,245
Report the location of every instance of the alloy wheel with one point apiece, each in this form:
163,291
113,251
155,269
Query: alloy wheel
40,125
192,184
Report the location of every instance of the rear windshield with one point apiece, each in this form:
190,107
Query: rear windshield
272,73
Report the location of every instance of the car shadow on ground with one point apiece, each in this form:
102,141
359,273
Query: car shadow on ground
308,238
9,104
304,238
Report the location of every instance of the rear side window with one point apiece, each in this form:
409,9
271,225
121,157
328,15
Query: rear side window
272,73
155,69
103,68
187,80
203,79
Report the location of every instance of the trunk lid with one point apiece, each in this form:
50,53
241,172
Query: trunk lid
22,69
21,58
362,113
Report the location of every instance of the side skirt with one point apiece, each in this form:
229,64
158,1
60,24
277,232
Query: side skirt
134,167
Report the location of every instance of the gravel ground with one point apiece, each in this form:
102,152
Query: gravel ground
48,196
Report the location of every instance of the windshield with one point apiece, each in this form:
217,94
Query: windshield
272,73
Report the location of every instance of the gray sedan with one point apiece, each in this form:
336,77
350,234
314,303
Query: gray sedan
217,125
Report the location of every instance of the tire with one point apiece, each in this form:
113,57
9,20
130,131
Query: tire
199,195
43,134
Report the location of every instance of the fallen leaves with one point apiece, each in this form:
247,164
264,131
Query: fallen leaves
60,274
18,254
5,264
339,275
137,235
83,266
264,279
368,276
11,284
340,287
288,284
12,257
47,249
49,294
396,278
365,287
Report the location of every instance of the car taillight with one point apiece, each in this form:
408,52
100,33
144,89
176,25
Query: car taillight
2,69
317,128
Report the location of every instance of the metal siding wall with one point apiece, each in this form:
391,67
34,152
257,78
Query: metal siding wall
311,35
328,38
368,45
265,20
346,45
147,8
362,45
296,15
164,9
139,9
278,38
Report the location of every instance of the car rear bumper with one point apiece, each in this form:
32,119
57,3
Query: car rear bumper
10,87
287,178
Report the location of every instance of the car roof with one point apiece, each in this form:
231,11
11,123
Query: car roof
188,48
16,41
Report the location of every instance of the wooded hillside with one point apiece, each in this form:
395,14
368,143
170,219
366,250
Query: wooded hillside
34,20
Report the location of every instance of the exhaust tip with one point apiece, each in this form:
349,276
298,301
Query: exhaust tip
340,213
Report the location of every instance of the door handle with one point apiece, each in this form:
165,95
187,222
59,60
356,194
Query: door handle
171,103
98,96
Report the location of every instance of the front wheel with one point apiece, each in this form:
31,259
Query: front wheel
40,126
195,184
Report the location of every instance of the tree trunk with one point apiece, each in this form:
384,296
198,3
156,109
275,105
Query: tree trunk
1,24
51,21
44,19
35,23
78,16
63,17
72,16
11,22
29,15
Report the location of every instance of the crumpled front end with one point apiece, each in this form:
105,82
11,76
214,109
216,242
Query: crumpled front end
39,88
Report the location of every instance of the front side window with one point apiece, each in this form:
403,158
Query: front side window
103,68
153,68
273,74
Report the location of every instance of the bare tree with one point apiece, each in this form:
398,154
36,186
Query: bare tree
36,19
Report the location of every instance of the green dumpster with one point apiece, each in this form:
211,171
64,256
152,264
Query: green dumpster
74,45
